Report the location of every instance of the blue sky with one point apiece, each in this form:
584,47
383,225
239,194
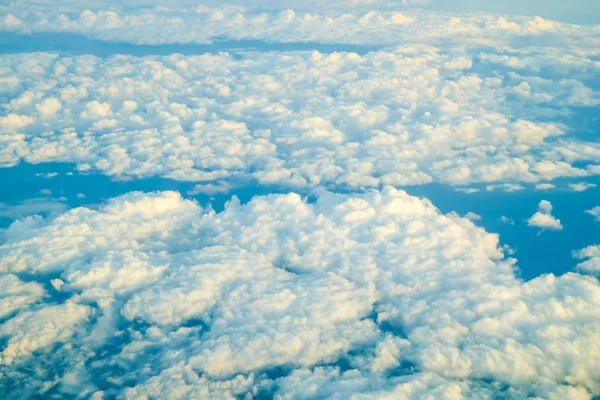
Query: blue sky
576,11
299,200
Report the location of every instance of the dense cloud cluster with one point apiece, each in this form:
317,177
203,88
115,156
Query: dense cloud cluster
369,295
377,295
409,115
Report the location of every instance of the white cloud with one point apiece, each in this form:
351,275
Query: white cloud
467,190
32,331
371,295
48,107
505,187
47,174
472,216
544,186
594,212
359,22
330,120
544,219
592,256
192,302
581,187
15,294
210,189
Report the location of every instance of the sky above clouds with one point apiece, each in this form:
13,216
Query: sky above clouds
346,268
575,11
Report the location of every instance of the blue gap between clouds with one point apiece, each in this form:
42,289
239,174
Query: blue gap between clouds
537,253
72,44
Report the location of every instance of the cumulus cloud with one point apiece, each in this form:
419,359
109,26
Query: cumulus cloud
406,116
372,22
374,295
591,255
370,295
544,219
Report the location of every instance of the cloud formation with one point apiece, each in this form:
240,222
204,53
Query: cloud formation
591,255
544,219
376,294
367,23
594,212
406,116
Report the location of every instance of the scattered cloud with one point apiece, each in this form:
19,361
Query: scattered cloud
42,205
467,190
506,220
581,187
594,212
592,256
544,186
47,174
472,216
505,187
544,219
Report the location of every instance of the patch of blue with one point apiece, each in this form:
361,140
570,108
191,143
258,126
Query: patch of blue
73,44
537,253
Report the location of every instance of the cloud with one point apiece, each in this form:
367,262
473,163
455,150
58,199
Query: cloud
544,219
506,220
17,294
581,187
210,188
505,187
472,216
346,21
301,119
42,205
375,294
594,212
544,186
467,190
592,256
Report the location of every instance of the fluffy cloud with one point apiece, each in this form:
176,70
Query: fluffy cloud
407,116
346,21
375,294
592,256
544,219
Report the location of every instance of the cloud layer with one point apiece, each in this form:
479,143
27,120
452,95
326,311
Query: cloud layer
375,294
367,23
406,116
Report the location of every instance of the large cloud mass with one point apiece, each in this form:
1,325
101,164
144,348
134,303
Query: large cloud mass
377,295
346,21
405,116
